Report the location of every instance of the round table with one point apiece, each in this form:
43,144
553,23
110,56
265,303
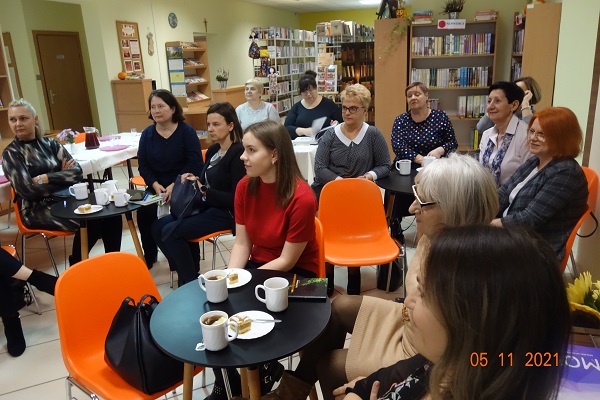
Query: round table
396,184
175,327
66,209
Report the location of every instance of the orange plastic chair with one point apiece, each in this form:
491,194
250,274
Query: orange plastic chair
87,297
320,270
354,226
10,249
28,233
80,138
592,179
139,181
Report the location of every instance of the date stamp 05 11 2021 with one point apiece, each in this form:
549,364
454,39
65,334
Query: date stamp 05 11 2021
531,359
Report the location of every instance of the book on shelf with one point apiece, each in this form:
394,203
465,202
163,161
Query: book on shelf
311,289
422,17
196,96
486,15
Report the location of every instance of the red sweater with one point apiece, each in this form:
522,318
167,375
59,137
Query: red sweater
270,226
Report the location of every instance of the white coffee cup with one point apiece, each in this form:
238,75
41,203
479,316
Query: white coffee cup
403,166
101,196
428,160
111,186
214,283
79,190
121,199
276,294
216,336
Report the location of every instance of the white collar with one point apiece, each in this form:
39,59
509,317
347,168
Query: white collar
344,139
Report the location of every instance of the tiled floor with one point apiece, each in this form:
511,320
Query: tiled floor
40,373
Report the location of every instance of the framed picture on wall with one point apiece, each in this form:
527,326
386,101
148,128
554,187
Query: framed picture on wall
129,46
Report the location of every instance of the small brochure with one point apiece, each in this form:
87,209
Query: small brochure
309,289
581,375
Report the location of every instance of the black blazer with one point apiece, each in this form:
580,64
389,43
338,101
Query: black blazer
224,176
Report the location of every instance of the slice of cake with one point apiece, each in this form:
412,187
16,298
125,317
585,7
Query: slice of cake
85,208
233,278
244,323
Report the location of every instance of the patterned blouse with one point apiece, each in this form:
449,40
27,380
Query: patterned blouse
410,138
24,160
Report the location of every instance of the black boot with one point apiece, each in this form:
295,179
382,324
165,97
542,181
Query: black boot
15,341
150,260
235,383
43,281
269,374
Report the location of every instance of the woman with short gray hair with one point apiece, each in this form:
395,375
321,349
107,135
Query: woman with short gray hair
255,109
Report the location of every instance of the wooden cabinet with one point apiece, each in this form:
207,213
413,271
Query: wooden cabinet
457,66
6,97
131,103
541,48
188,71
391,60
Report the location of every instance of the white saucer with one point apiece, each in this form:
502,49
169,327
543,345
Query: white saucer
95,209
244,277
258,329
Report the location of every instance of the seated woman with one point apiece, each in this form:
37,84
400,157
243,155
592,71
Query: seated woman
168,147
445,194
469,346
421,131
219,178
533,94
37,167
352,149
549,192
503,148
12,268
312,106
255,109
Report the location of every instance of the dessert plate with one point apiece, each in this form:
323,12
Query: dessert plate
244,277
258,329
95,209
116,147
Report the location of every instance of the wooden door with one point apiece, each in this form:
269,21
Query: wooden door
63,79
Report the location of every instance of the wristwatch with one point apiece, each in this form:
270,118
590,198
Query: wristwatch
39,180
203,188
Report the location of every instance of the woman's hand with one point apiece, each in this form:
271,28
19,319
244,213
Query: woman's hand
158,188
303,131
527,98
437,152
418,159
188,176
67,164
342,389
367,176
168,192
374,390
333,122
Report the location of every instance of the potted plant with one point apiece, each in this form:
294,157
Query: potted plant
222,77
584,297
452,8
68,137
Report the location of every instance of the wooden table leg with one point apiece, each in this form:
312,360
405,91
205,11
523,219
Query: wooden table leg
188,381
134,236
390,206
83,232
254,383
244,379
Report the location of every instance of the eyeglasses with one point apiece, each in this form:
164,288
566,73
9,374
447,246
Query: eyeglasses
537,134
351,110
421,202
308,92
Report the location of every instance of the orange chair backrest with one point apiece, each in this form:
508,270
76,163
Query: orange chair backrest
320,270
80,138
592,179
204,154
351,209
89,294
15,203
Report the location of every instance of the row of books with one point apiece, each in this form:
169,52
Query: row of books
453,77
358,32
349,54
283,33
486,15
422,17
516,70
475,43
295,68
195,96
194,79
348,71
474,138
434,103
472,106
188,62
282,105
518,41
290,51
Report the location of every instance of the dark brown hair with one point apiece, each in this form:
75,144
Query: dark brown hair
419,85
276,138
561,131
227,111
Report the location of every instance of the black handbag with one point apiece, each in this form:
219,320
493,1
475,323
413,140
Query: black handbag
186,200
131,352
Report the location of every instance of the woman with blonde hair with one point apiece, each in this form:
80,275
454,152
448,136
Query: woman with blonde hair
255,109
352,149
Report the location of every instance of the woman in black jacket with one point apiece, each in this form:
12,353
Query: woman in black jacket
222,171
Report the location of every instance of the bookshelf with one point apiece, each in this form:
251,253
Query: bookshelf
457,66
189,74
516,60
540,48
291,53
6,97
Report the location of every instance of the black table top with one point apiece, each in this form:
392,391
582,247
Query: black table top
397,183
66,208
175,325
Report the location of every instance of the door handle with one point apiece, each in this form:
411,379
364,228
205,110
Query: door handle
52,94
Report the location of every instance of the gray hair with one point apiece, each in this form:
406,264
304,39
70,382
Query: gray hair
27,105
462,187
255,82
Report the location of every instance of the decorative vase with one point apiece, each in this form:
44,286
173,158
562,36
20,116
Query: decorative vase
72,148
453,15
222,84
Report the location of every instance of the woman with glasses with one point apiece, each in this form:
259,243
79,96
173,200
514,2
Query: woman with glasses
312,106
503,148
255,109
549,191
169,147
445,195
352,149
421,131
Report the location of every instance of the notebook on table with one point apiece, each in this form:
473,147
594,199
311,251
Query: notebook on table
309,289
316,126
